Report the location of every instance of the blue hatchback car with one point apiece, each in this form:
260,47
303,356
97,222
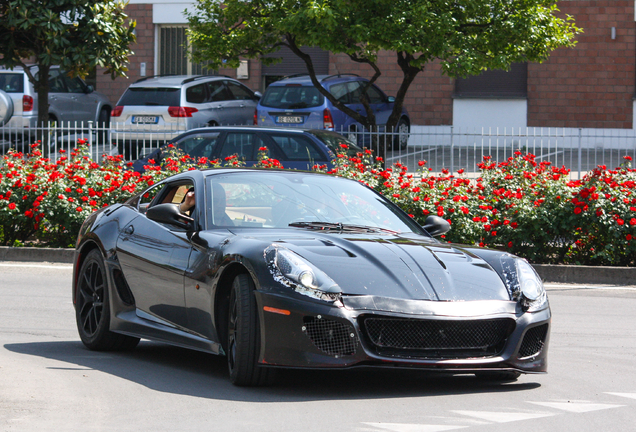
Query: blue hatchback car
296,102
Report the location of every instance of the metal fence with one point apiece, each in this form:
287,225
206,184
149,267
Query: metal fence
442,147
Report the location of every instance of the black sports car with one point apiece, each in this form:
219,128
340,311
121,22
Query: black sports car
304,270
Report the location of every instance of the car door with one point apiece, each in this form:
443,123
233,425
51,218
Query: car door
380,105
82,104
154,258
222,104
60,104
246,103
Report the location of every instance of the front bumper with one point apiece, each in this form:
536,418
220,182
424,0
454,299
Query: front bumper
303,333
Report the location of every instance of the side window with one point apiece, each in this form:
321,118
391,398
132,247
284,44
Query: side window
147,197
339,91
239,92
196,94
297,148
218,92
56,82
355,90
199,145
240,143
375,95
176,194
74,85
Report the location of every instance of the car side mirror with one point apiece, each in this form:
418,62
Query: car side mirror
90,89
258,95
390,99
436,225
169,214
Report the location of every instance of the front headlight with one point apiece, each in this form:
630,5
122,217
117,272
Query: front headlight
524,283
294,271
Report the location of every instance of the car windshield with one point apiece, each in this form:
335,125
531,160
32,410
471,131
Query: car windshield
333,141
269,199
292,97
151,96
12,82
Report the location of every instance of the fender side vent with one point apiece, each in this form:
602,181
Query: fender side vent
123,290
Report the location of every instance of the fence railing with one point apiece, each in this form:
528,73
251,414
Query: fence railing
442,147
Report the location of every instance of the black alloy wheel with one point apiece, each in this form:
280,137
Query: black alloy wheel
401,135
92,309
243,341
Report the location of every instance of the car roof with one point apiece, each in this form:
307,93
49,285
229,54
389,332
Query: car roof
249,128
324,79
174,80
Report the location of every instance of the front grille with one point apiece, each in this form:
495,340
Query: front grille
421,338
331,337
533,341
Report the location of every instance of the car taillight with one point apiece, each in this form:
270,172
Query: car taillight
327,119
116,112
179,111
27,103
255,117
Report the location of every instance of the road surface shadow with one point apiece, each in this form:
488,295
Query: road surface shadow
176,370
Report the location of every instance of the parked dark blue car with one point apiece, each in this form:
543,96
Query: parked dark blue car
296,102
294,148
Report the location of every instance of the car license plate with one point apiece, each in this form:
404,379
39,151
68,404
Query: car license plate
289,119
145,119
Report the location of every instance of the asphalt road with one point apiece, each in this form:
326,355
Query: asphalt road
50,382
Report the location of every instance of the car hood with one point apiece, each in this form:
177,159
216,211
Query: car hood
409,267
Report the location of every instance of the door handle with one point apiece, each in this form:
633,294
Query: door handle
129,229
242,106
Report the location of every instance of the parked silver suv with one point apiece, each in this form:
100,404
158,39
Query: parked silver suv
156,109
70,100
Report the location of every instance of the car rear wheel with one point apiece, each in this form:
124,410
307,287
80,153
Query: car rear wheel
401,137
243,340
92,309
103,122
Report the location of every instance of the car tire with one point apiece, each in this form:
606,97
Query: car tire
92,308
401,137
498,376
352,135
6,108
243,338
103,123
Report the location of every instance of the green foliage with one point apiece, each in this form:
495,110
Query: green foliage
467,36
77,35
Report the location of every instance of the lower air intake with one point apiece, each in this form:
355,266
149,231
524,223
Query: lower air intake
420,338
331,337
533,341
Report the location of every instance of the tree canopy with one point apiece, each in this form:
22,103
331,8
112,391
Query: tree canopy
77,35
466,36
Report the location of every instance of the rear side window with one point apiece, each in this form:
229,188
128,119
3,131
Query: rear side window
199,145
241,144
151,96
12,83
196,94
292,97
298,148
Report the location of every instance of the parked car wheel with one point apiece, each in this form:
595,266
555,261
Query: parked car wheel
6,108
103,123
92,309
401,137
243,336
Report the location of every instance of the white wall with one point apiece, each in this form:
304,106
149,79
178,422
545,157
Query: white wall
490,113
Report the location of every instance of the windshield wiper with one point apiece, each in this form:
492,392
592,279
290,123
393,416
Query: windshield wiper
339,226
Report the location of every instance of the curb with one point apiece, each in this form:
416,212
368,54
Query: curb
33,254
549,273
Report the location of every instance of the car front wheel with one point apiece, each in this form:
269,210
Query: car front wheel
243,341
92,310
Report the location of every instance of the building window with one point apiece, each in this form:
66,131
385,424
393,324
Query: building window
497,84
173,48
